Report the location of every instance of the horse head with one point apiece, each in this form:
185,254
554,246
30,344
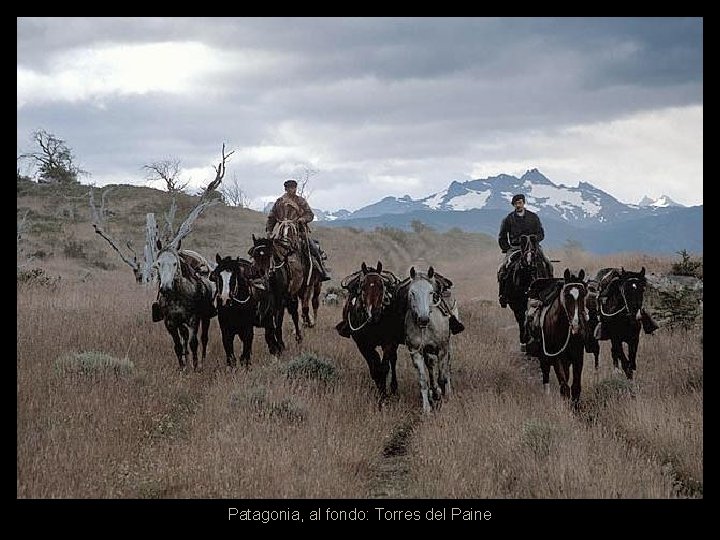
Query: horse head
230,280
572,298
262,253
632,288
168,267
422,296
372,290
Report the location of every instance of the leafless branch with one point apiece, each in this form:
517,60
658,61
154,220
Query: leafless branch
234,194
206,200
97,223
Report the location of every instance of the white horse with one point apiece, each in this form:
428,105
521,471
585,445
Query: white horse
427,337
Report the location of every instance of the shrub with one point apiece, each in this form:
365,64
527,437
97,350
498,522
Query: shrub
688,266
37,276
93,363
310,366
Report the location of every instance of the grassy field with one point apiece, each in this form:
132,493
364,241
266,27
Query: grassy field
103,412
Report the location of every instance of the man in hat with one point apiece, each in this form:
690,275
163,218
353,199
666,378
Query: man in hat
518,222
291,206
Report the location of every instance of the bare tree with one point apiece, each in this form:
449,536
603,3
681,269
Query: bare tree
167,170
54,161
304,174
143,267
233,194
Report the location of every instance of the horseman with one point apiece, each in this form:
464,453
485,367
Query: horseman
291,206
517,223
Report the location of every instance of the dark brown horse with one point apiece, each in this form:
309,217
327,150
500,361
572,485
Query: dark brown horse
375,313
619,304
276,260
527,265
561,328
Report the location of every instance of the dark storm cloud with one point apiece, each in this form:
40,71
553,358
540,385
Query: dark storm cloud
364,93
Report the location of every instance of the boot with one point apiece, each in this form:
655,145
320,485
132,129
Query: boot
649,326
324,272
156,313
455,326
343,328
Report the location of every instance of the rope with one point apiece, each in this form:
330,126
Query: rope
542,321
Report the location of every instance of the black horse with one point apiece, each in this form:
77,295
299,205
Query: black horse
560,328
619,310
526,265
274,259
242,303
374,316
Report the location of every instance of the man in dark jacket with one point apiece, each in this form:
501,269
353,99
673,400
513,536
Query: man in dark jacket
291,206
516,223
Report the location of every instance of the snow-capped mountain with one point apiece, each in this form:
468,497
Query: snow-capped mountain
583,214
662,202
584,205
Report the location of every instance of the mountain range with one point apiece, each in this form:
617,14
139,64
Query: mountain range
582,216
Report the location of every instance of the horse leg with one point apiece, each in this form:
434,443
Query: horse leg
545,369
292,307
204,330
279,317
317,288
306,309
246,336
561,373
390,358
419,361
184,334
270,338
624,362
617,352
433,364
194,326
577,367
633,348
374,363
177,344
228,336
444,370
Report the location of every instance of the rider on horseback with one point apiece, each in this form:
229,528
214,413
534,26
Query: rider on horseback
293,207
517,223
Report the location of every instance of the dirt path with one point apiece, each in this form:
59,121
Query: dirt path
392,467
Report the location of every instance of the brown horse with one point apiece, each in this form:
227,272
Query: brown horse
308,288
374,317
562,329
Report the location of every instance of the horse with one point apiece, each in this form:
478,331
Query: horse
184,303
620,301
526,265
310,287
427,337
562,328
374,313
241,305
271,258
592,345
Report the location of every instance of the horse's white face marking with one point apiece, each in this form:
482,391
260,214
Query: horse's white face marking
167,268
421,295
225,287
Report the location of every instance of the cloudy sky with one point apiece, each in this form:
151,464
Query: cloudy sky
378,106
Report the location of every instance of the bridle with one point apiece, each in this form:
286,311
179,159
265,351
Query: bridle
574,284
621,286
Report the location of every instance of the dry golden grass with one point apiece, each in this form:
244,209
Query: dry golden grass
153,432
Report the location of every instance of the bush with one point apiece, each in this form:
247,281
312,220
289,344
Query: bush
37,276
310,366
93,363
688,266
